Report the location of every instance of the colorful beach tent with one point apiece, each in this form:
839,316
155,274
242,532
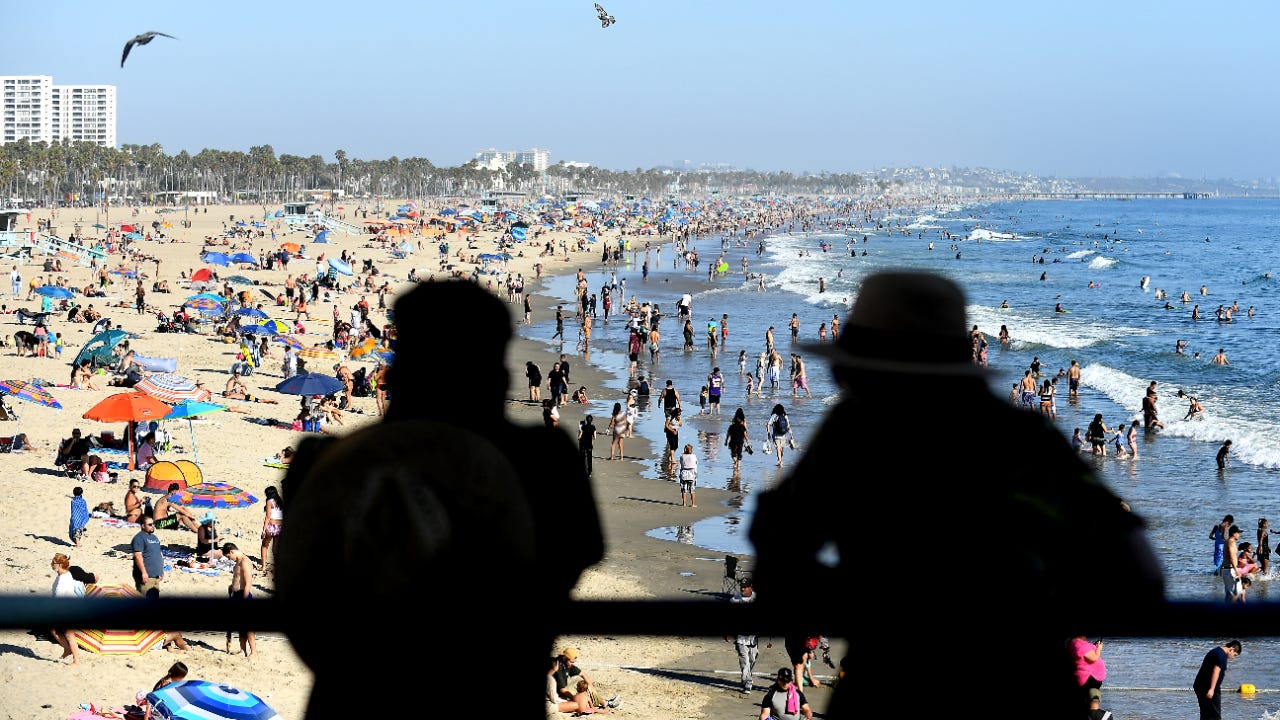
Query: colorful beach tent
162,474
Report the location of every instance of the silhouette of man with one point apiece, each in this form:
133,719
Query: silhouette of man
1068,534
446,500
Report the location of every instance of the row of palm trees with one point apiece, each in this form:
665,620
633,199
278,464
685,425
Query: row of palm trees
81,172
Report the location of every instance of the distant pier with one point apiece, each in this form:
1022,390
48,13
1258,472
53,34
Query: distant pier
1084,195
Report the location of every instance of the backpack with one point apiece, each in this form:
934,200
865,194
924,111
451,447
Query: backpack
781,426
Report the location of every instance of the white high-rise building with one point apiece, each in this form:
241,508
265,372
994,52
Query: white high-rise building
494,158
32,107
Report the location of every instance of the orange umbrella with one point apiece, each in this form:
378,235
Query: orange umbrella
128,407
292,247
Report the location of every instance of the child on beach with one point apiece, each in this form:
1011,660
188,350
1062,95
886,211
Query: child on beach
703,396
1077,442
1119,441
751,384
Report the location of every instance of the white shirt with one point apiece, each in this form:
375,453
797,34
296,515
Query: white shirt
64,585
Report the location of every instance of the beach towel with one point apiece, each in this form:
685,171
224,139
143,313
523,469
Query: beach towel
151,364
79,517
793,700
118,523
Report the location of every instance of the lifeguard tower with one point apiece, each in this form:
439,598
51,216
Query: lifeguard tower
297,214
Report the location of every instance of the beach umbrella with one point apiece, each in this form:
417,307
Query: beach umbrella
320,354
276,326
239,280
202,700
310,384
340,267
99,226
213,495
130,406
189,409
322,236
202,275
55,292
171,388
251,312
29,392
111,590
243,257
209,296
292,247
201,304
289,341
133,236
118,642
256,330
216,258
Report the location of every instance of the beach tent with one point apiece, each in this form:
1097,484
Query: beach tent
161,474
202,275
98,351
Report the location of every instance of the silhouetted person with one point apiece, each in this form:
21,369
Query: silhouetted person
432,516
1054,533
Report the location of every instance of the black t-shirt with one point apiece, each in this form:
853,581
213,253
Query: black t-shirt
1216,657
588,439
556,378
534,374
737,434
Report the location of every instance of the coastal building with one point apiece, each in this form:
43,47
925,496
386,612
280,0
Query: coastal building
495,159
32,107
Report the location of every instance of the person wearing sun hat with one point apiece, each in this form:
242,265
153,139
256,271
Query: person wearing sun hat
916,408
566,685
207,538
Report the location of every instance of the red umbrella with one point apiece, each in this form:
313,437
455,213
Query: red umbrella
202,275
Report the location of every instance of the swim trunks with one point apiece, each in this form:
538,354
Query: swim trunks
168,523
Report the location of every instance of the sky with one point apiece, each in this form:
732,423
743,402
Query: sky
1125,88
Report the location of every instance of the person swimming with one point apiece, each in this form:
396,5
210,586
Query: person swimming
1059,309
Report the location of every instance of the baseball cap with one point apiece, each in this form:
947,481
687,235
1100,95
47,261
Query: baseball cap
1095,694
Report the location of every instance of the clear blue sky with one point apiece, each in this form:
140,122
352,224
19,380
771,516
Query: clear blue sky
1123,88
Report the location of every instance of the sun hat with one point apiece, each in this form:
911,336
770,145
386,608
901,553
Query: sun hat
571,653
904,322
208,517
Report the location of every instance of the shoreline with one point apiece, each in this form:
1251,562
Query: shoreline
231,450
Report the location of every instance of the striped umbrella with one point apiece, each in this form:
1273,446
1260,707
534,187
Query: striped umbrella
290,341
29,392
202,700
171,388
111,590
118,642
214,495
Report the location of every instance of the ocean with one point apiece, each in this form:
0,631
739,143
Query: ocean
1090,256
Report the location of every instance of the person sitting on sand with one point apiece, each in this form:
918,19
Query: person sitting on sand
132,503
237,390
173,517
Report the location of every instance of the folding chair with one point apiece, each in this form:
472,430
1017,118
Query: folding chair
734,575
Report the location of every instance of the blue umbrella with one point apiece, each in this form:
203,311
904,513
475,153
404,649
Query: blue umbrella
448,211
322,236
252,312
243,257
201,699
239,280
340,266
241,223
310,384
55,292
133,236
216,258
189,409
257,330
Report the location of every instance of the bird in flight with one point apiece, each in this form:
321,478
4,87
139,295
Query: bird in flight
142,39
605,18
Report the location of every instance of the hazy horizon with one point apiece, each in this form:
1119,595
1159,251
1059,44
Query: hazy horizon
1090,90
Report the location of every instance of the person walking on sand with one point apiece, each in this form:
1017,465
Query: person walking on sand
148,560
671,429
1208,683
64,585
241,588
747,645
688,477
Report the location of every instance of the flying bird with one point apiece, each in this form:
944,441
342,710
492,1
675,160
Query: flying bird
605,18
142,39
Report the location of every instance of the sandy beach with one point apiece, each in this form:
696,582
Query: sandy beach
657,677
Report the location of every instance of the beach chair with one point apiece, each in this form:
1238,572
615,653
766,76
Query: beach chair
734,575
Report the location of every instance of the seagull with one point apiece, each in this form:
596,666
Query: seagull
605,18
142,39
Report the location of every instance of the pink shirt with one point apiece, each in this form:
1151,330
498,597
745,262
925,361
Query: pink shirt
1085,669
